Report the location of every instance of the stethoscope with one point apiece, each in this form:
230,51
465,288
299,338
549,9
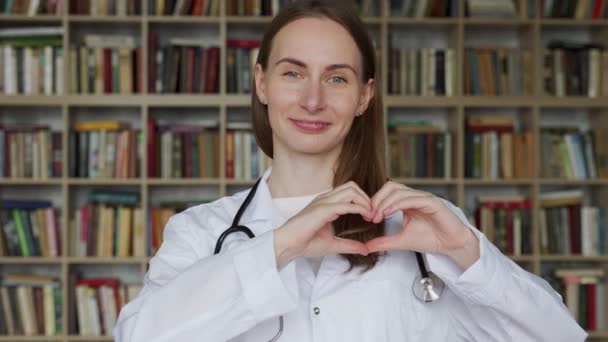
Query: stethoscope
427,287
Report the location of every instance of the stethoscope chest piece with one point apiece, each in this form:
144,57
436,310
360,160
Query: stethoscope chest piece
427,289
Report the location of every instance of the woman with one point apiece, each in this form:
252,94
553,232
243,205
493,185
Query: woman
334,247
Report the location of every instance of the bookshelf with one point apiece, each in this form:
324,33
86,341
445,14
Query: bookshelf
459,33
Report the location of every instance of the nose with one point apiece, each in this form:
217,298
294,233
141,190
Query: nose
312,98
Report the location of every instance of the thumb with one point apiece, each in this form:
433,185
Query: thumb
383,243
348,246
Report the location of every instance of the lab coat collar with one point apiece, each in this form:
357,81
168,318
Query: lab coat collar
261,207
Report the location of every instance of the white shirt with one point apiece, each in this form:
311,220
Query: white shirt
288,207
191,295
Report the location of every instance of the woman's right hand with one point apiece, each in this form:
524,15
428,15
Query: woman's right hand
310,233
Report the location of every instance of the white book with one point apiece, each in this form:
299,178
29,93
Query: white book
121,8
450,70
93,312
432,65
33,8
424,71
35,155
10,70
49,309
593,88
559,76
59,74
51,231
586,234
27,71
109,41
48,70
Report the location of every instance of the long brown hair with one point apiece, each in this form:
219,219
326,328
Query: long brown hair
362,157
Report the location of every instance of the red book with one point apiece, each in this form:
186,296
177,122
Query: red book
574,221
151,142
197,8
510,237
107,70
591,319
190,70
243,43
152,47
597,9
212,69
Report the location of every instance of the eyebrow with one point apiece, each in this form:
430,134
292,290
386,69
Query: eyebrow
303,65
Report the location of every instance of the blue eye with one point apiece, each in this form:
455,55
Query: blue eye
337,79
292,74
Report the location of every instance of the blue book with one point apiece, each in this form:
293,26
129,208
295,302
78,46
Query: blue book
24,204
2,153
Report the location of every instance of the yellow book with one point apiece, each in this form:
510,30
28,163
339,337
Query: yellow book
98,126
124,231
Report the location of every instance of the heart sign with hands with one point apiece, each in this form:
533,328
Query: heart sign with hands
429,226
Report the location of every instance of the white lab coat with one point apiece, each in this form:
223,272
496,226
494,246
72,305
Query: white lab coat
192,295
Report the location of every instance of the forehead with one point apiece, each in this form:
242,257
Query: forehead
315,41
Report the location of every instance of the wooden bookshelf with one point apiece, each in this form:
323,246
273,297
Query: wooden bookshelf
458,187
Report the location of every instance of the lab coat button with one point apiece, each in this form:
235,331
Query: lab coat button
316,310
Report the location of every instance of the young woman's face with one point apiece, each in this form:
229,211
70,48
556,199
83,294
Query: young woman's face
312,86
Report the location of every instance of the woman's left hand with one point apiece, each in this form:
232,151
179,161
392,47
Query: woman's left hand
428,225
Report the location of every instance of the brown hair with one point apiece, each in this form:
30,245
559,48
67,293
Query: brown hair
362,158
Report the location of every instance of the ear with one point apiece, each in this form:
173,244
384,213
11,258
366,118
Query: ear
366,95
260,85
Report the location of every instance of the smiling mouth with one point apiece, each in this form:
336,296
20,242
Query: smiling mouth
312,126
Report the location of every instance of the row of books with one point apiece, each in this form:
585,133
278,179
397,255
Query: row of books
29,228
184,7
183,66
507,222
241,56
184,152
571,154
424,8
106,64
31,7
584,293
426,71
494,150
106,7
420,151
32,61
575,9
30,305
110,224
96,302
244,159
30,152
575,69
567,226
105,149
503,9
501,71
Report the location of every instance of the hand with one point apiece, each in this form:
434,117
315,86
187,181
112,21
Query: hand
428,225
310,233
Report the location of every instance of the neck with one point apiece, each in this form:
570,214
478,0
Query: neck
300,175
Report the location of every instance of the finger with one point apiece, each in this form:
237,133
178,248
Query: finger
424,204
384,191
391,199
347,246
355,186
383,243
349,195
341,208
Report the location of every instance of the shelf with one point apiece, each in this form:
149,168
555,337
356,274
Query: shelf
183,181
30,260
106,260
14,338
55,19
423,21
30,181
554,257
160,19
560,22
559,181
108,181
498,181
425,181
74,18
497,22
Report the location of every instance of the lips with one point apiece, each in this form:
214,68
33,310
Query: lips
310,126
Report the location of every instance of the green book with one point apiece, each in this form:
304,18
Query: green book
25,248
